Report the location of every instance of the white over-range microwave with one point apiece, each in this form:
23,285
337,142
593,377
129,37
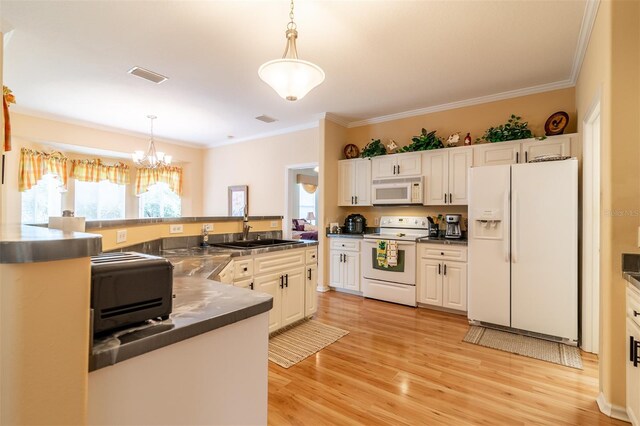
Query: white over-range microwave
397,191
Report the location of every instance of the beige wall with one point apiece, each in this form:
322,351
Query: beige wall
40,133
260,164
474,119
611,69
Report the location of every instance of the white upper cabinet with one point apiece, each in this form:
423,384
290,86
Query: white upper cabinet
396,165
494,154
354,182
534,148
446,176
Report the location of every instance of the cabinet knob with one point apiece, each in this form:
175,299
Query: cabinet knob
635,313
442,253
245,269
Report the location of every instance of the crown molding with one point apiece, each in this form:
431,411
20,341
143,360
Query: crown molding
305,126
467,102
336,119
588,21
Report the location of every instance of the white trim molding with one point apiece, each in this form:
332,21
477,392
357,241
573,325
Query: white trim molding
588,21
613,411
304,126
336,119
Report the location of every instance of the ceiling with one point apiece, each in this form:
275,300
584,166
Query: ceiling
70,59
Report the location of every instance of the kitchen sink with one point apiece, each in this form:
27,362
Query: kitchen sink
250,244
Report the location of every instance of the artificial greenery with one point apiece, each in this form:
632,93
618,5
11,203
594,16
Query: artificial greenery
426,140
512,130
373,149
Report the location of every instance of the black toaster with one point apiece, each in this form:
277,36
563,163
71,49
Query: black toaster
128,288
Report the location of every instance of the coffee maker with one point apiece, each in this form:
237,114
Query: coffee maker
453,226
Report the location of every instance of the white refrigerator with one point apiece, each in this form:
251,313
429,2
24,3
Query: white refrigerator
523,247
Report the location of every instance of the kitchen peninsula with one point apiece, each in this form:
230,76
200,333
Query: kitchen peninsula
216,339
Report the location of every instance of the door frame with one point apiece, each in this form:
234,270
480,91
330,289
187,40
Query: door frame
289,171
591,163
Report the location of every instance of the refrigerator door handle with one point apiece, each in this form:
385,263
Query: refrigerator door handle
505,235
514,229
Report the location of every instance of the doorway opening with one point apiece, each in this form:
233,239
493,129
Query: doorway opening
301,218
591,229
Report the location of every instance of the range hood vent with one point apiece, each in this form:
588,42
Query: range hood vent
151,76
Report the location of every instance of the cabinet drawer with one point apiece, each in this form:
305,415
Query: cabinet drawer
226,275
243,268
633,304
279,261
312,256
246,283
345,244
442,252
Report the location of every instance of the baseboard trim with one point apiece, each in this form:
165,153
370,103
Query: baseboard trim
613,411
322,289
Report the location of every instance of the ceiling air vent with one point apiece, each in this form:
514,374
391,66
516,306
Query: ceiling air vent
148,75
266,119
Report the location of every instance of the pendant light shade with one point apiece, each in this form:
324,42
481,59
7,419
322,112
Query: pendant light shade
290,77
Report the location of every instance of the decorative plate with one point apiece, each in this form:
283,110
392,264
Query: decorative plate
351,151
556,124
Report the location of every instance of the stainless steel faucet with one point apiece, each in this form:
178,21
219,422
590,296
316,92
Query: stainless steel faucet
245,228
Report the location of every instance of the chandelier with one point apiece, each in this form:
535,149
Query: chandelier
152,159
291,77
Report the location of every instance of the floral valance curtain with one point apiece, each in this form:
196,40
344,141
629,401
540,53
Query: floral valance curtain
35,164
95,171
170,175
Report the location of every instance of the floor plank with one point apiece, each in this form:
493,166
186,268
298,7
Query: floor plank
405,366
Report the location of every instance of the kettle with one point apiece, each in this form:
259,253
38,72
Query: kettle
355,224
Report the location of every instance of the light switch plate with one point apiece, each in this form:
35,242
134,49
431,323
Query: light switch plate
175,229
121,236
208,227
376,221
638,236
274,223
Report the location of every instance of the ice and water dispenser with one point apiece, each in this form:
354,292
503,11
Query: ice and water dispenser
488,224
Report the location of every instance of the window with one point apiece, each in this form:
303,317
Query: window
306,203
99,200
159,201
42,200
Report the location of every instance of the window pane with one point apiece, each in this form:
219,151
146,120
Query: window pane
306,203
42,200
100,200
160,201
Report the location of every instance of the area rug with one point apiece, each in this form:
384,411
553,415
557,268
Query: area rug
290,346
531,347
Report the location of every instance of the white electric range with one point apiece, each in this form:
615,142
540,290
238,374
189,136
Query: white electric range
393,283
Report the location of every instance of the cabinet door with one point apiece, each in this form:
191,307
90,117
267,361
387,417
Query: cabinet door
633,376
437,178
245,283
454,286
430,282
335,268
459,165
362,182
346,176
383,166
293,295
311,294
352,271
533,149
409,164
493,154
226,275
270,284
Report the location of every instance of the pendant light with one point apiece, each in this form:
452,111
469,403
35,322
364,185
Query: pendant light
152,159
290,77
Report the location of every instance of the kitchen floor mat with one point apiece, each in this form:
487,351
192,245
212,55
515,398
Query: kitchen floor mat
290,346
531,347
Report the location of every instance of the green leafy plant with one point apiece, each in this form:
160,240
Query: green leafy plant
426,140
373,149
512,130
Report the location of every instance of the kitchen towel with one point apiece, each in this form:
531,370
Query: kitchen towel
392,254
381,253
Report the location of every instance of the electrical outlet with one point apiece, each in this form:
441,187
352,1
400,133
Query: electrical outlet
208,227
175,229
274,223
121,236
638,236
376,221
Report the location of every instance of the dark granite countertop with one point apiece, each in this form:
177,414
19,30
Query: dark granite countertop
200,305
359,236
631,268
25,244
443,240
97,224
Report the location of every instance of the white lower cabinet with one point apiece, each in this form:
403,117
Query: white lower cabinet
344,267
289,276
442,282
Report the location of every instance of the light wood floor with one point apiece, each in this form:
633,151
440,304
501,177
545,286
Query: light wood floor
400,365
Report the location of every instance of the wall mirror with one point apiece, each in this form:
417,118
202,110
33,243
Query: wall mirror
239,200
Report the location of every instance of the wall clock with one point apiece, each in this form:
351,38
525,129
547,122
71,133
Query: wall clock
351,151
556,124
